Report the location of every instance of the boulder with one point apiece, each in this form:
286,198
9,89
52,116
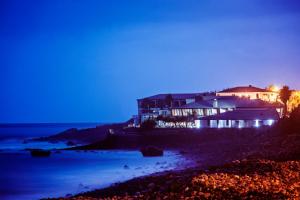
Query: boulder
152,151
40,153
70,143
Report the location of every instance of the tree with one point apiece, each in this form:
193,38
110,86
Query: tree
291,124
295,118
294,101
285,94
169,100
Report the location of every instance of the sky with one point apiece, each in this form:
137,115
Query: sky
88,61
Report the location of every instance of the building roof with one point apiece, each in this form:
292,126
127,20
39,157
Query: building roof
249,88
175,96
246,114
225,102
243,102
196,105
230,102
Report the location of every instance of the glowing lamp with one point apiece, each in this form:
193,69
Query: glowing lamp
275,88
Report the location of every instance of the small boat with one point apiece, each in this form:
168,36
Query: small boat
152,151
40,153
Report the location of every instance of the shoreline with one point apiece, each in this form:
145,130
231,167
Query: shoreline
204,150
214,153
238,179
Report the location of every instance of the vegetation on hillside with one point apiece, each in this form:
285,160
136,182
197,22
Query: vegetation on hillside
291,124
294,101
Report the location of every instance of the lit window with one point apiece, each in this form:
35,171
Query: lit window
241,123
270,122
197,123
256,124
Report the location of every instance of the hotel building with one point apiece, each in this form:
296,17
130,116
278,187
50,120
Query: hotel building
239,107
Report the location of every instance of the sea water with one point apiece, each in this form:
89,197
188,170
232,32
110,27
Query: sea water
13,136
67,172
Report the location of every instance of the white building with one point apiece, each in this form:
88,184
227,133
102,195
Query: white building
196,114
221,104
251,93
161,104
212,110
240,118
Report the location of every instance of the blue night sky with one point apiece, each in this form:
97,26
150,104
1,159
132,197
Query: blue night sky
88,61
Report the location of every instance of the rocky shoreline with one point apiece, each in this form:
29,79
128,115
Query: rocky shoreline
245,179
263,165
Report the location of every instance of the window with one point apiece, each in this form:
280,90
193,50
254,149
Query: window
177,112
186,112
200,112
212,111
222,110
214,123
222,123
241,123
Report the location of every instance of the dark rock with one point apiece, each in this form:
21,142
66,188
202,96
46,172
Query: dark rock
68,195
70,143
151,185
183,152
152,151
40,153
137,193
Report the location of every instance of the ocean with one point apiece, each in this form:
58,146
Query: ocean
66,172
12,136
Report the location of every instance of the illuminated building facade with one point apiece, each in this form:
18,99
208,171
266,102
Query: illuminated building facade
161,104
251,92
240,118
239,107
